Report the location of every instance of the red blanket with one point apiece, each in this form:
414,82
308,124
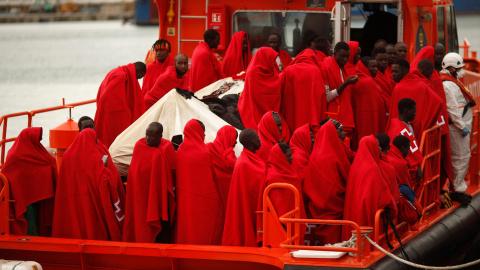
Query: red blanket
284,57
429,105
324,185
320,57
400,164
350,67
341,105
169,152
200,214
90,198
235,60
224,159
397,127
388,172
205,68
119,103
165,82
32,174
150,196
386,84
262,91
368,106
154,70
270,134
303,91
367,190
301,145
245,190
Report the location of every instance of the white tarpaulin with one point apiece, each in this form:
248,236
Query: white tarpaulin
173,111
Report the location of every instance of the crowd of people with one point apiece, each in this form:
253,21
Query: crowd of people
343,129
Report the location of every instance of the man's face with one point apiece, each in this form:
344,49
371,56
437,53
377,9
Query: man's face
161,55
401,51
427,72
411,113
372,67
328,51
381,59
152,136
342,57
181,65
397,73
391,55
288,155
256,142
274,42
140,74
213,44
278,121
87,124
404,151
340,131
439,54
357,56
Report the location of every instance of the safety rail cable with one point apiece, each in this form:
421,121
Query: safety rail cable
461,266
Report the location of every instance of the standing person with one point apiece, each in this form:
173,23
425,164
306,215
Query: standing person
367,102
150,201
205,68
223,155
459,104
245,189
272,129
391,59
238,55
383,80
162,50
303,91
336,86
174,77
275,41
355,55
323,48
401,50
90,199
262,91
200,213
325,181
119,101
32,174
367,190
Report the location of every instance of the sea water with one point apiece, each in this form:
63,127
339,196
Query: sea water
41,63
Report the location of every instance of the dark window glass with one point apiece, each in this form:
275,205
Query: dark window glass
441,24
451,30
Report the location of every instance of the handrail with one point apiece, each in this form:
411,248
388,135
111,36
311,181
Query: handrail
30,114
4,205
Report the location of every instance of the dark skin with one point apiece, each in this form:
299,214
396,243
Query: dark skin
213,43
401,50
372,67
288,154
340,131
274,42
87,124
162,55
140,74
408,115
398,73
391,54
438,56
154,134
250,140
382,60
245,44
357,56
341,56
278,121
181,65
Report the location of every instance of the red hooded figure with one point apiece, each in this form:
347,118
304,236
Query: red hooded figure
200,214
325,182
150,198
119,103
90,199
154,70
262,91
236,59
367,190
368,106
301,145
223,155
350,67
205,68
388,172
165,82
270,133
32,174
303,92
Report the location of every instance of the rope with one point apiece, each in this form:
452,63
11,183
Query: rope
419,265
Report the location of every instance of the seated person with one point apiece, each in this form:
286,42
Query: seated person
272,129
85,122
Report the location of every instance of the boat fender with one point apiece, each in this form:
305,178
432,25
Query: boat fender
19,265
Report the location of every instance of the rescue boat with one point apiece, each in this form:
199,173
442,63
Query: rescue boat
418,23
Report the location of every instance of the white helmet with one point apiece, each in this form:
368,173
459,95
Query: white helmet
452,60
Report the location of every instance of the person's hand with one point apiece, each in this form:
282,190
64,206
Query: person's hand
465,132
352,79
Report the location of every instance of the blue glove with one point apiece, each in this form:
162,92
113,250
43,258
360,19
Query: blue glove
464,132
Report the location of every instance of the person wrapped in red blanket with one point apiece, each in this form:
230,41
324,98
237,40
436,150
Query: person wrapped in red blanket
205,68
324,185
383,78
150,202
32,174
174,77
200,213
238,55
303,91
119,101
162,50
223,155
355,55
90,199
245,189
272,129
275,42
301,144
367,190
323,48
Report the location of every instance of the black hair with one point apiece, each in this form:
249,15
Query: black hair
324,121
284,147
83,118
210,34
403,64
341,46
160,42
377,51
366,59
401,141
383,140
405,103
321,43
140,66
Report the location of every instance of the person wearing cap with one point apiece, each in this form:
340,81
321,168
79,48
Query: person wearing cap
459,104
162,51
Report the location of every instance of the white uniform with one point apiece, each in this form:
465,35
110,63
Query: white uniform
460,145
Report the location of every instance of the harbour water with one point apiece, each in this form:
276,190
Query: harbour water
41,63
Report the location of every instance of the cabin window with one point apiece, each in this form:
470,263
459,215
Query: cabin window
452,30
295,28
441,24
